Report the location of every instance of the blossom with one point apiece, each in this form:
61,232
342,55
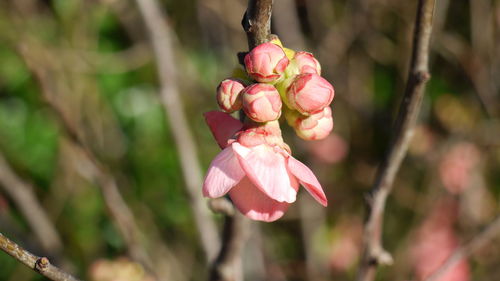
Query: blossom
266,63
261,102
309,93
435,242
306,63
314,127
456,169
228,95
256,168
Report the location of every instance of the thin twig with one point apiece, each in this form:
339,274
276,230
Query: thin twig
373,252
38,264
480,240
161,38
22,194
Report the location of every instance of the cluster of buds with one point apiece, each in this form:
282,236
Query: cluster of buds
279,79
256,168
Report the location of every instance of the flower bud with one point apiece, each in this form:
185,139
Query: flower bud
261,102
309,93
266,63
306,63
314,127
228,95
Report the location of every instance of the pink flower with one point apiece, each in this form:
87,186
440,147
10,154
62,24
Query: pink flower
256,169
456,170
435,242
330,150
228,95
261,102
306,63
314,127
309,93
266,63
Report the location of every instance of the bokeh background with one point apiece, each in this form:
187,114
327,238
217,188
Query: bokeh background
86,67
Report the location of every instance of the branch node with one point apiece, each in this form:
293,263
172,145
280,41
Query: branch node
422,76
41,264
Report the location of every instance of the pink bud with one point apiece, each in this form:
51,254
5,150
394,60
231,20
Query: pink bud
314,127
228,95
309,93
266,63
306,63
261,102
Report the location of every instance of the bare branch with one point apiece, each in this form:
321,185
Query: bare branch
479,241
257,22
373,252
38,264
24,197
161,39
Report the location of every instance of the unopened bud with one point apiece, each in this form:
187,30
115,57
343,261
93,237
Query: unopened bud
309,93
306,63
261,102
314,127
266,63
228,95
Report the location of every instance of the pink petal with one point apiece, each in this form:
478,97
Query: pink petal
222,125
253,203
224,173
267,170
307,179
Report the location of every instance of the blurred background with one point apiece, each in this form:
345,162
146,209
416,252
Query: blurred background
81,122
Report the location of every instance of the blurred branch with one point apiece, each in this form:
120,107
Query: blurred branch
227,266
38,264
454,48
161,39
480,240
118,209
373,252
24,197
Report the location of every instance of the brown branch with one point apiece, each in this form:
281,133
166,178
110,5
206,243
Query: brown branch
479,241
38,264
161,38
227,267
373,252
25,199
257,22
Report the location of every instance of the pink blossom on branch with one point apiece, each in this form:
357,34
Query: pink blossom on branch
228,95
309,93
266,63
261,102
306,63
257,170
314,127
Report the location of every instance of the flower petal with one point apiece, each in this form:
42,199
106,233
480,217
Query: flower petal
307,179
267,170
222,125
224,173
253,203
